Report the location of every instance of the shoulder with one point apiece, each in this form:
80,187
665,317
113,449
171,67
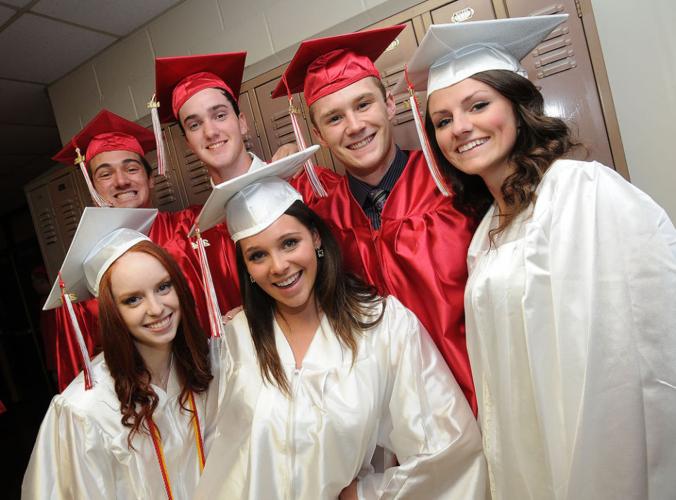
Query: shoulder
100,400
397,319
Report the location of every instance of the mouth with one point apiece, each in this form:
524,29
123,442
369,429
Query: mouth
468,146
361,144
290,281
161,324
126,195
216,145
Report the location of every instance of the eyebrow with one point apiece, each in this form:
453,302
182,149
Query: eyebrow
126,295
356,99
468,98
210,110
126,161
281,238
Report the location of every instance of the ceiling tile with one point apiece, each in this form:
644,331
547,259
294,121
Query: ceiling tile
25,103
120,17
5,14
38,49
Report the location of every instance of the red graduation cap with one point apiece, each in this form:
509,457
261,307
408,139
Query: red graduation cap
177,79
326,65
105,132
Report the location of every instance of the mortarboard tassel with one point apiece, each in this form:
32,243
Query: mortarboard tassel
96,197
215,321
153,105
317,185
424,142
87,364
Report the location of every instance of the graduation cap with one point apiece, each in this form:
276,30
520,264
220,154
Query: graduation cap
105,132
243,218
102,236
450,53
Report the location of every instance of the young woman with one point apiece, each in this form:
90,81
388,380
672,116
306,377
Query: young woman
570,305
319,370
142,430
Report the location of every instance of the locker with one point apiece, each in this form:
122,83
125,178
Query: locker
192,172
166,193
252,140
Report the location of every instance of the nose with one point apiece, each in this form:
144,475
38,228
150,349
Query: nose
154,306
353,124
461,124
209,128
279,263
121,179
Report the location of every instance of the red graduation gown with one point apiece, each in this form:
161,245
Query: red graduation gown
170,231
418,255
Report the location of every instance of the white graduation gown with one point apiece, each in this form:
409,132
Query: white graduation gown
571,333
399,394
81,451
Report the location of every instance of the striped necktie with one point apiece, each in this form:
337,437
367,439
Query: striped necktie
377,197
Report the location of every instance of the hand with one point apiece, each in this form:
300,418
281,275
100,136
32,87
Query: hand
285,150
230,314
349,492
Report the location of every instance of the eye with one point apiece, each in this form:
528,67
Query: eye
165,287
333,119
222,115
192,126
102,175
255,256
478,106
133,168
289,243
132,301
363,105
443,122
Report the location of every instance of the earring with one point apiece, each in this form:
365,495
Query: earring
251,278
320,252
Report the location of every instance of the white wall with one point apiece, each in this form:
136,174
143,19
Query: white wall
122,78
639,47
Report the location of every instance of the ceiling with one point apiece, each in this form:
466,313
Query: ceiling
40,42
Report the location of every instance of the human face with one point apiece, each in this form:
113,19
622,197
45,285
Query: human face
475,127
214,132
354,123
146,299
120,178
283,262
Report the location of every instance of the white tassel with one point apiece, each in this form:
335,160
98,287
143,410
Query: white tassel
153,105
208,286
96,197
427,150
87,368
317,185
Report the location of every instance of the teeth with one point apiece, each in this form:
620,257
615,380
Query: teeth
288,281
361,144
215,145
126,195
471,145
159,324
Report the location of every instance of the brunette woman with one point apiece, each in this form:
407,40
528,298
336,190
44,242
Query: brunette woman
142,429
319,370
570,304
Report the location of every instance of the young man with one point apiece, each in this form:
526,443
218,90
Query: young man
395,227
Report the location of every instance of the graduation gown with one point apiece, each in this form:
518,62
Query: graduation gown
570,328
398,394
81,450
418,255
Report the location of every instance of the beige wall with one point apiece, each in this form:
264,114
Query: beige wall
639,47
122,77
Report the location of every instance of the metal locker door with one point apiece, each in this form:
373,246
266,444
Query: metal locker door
462,11
191,170
66,204
561,67
44,221
252,140
277,122
166,193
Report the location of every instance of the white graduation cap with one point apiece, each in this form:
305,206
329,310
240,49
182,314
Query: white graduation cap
450,53
102,236
268,208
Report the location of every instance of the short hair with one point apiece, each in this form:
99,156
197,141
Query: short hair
230,99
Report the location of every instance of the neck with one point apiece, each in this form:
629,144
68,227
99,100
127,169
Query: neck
157,361
299,318
237,168
494,181
374,175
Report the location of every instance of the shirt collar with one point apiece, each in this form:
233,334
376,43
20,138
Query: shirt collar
361,189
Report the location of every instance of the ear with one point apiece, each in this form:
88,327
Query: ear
243,125
318,136
390,105
316,239
151,182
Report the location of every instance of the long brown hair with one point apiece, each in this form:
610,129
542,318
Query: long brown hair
539,142
190,348
347,302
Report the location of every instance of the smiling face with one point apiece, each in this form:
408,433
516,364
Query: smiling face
355,124
476,128
215,133
283,262
121,178
146,300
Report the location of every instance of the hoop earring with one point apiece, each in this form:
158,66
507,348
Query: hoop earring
320,252
251,278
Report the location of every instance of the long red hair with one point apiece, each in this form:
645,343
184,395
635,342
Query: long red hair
190,348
